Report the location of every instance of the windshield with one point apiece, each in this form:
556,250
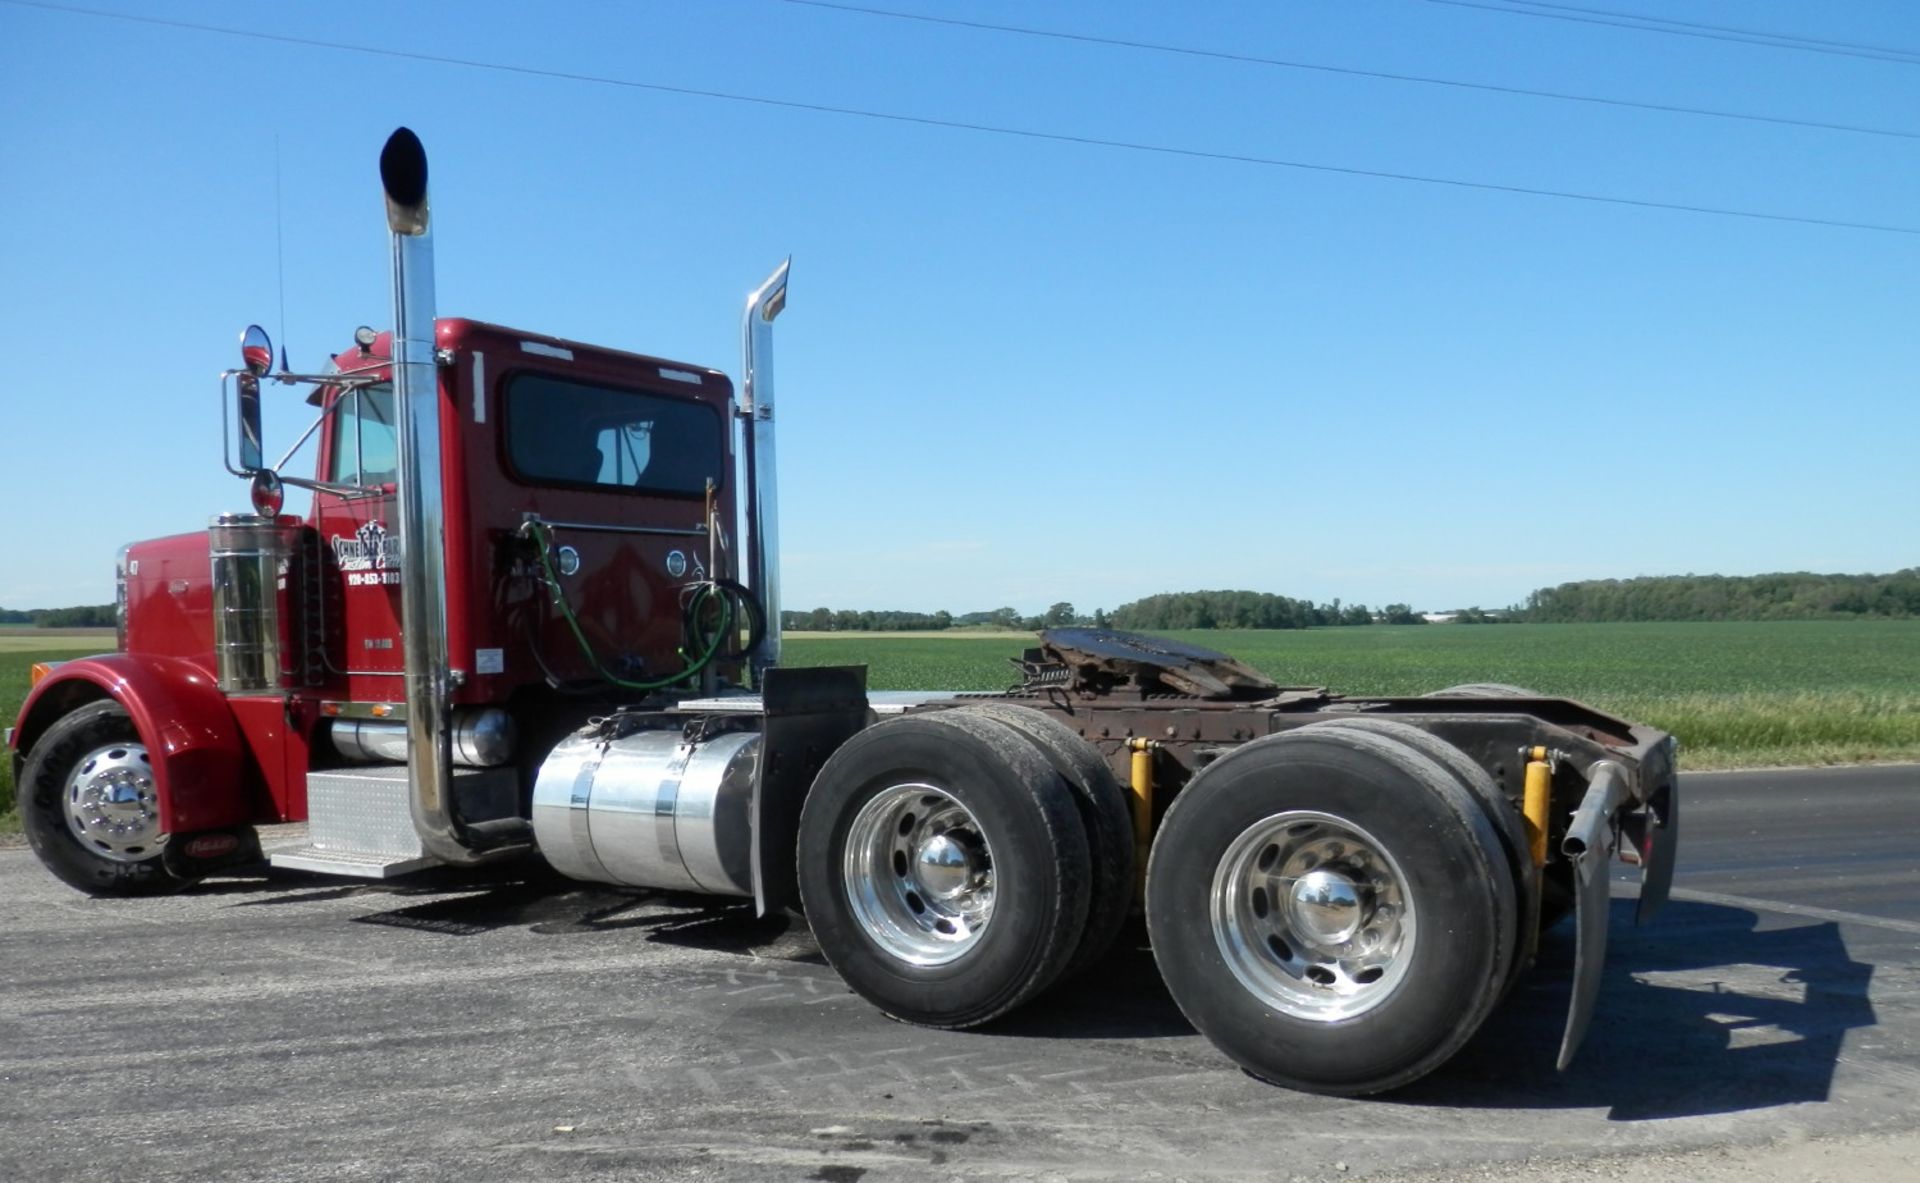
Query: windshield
573,433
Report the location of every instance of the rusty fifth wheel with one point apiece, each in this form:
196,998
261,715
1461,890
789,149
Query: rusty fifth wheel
1332,909
946,868
88,804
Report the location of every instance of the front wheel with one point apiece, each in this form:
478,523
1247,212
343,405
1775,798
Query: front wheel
1326,907
88,804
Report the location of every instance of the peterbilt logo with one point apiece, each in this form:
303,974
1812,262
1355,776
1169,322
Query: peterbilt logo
212,845
370,549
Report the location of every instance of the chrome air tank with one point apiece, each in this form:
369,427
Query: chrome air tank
248,555
650,809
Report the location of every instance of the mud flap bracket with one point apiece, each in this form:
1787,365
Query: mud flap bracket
1588,845
1655,831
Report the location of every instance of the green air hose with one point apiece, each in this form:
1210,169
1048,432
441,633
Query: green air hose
698,597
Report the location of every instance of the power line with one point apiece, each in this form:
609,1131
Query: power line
1646,25
1667,20
959,125
1425,80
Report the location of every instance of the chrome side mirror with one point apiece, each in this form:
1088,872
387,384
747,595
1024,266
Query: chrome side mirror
256,351
268,494
256,359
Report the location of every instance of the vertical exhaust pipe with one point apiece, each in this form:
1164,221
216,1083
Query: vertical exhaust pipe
422,513
762,534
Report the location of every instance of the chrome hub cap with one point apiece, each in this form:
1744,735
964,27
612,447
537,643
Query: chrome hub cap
110,803
919,874
1312,915
1326,907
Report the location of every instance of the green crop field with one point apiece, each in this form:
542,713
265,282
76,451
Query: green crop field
1737,695
61,642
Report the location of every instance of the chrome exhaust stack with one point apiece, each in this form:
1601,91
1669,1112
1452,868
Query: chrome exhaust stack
422,513
762,533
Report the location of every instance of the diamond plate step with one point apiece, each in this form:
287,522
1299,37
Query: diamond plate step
359,824
350,864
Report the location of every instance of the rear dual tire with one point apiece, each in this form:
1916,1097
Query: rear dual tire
944,868
1332,909
1105,814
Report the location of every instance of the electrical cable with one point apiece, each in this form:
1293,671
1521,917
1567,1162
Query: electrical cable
1770,40
990,129
1667,20
1420,79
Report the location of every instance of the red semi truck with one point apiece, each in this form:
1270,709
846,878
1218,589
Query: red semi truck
519,621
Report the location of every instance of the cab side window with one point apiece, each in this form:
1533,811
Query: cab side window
366,446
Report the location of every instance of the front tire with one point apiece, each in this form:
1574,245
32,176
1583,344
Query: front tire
88,804
1326,907
943,867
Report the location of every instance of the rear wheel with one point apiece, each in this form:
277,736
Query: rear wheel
1104,814
1518,907
943,868
1326,907
88,804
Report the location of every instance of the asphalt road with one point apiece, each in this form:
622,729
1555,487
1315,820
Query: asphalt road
524,1028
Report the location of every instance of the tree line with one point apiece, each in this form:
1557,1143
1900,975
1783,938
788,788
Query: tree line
1797,595
1786,596
1174,610
88,616
1794,595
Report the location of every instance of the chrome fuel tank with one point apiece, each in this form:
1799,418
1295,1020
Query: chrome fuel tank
650,809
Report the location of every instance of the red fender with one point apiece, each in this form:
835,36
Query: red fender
200,765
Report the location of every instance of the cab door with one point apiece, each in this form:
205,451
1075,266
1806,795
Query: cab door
359,547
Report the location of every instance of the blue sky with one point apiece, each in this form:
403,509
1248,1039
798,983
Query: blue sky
1015,371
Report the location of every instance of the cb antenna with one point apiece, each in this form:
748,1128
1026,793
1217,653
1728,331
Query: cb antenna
279,253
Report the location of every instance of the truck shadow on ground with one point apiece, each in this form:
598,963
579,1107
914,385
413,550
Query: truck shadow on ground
538,900
1700,1013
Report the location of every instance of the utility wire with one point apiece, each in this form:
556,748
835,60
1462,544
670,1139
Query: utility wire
1680,29
1425,80
1667,20
959,125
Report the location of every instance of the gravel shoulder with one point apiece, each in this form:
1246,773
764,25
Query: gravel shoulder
1765,1028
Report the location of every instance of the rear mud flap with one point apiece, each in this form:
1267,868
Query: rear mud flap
1655,833
1589,846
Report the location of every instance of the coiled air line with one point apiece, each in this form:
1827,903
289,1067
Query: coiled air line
696,651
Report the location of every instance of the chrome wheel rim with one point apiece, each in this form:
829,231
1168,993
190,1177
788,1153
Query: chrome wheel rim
919,874
1313,916
110,804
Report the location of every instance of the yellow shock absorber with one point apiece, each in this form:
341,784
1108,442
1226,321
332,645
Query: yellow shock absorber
1539,797
1534,806
1142,792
